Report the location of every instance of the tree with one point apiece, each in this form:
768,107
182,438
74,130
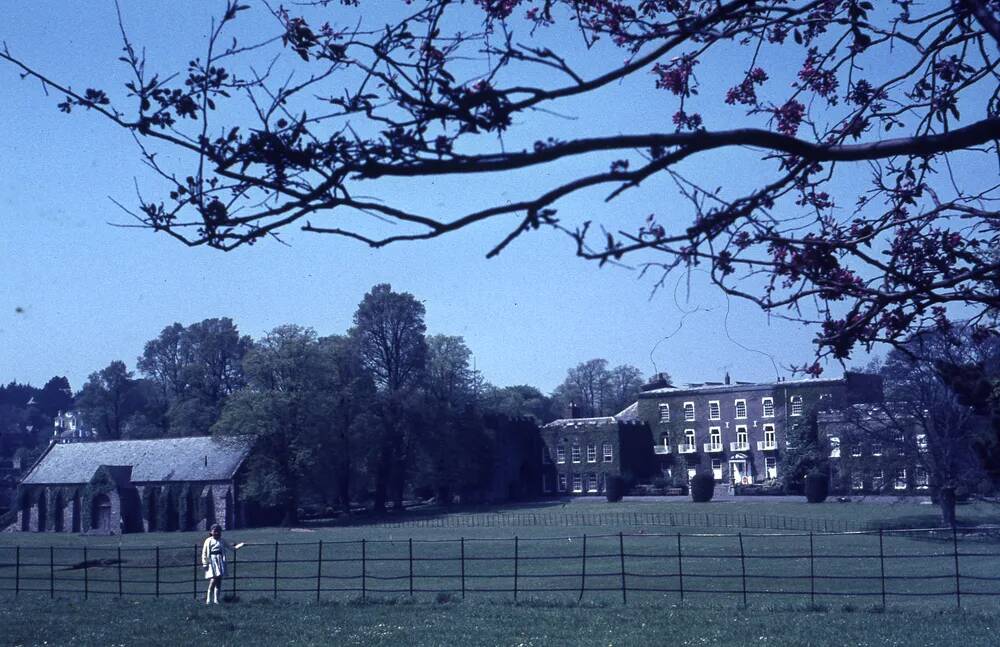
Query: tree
901,93
389,332
625,383
454,448
520,400
280,409
109,399
586,387
926,423
196,368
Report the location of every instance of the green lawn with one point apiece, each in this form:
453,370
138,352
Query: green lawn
547,560
175,622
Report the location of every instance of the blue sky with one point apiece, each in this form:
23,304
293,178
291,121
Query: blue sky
78,292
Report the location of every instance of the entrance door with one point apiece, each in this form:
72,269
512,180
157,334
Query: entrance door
738,468
101,517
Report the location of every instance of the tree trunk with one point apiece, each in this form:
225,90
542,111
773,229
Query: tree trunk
946,501
291,514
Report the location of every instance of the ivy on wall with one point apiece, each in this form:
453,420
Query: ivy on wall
101,483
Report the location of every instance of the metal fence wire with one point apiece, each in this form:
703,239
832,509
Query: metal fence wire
941,566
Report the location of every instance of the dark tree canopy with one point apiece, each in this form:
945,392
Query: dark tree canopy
867,131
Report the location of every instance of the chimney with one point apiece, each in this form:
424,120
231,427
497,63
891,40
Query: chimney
726,379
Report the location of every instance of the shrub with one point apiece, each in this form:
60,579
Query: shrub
702,486
615,488
817,486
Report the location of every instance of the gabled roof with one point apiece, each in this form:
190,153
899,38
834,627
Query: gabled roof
195,458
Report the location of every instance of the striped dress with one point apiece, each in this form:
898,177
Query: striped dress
213,557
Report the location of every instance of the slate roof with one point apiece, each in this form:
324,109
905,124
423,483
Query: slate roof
196,458
738,386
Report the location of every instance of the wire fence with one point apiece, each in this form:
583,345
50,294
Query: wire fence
942,566
728,520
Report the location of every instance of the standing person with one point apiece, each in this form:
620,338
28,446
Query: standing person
213,558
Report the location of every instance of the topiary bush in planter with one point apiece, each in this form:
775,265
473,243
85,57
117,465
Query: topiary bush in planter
702,486
615,488
817,486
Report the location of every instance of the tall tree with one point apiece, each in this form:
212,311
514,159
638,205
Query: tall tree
520,400
280,409
455,450
195,368
625,382
900,93
926,422
390,332
586,387
108,399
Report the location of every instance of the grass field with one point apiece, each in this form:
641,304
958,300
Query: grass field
172,623
565,592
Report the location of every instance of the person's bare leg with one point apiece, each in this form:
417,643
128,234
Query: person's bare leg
209,590
215,592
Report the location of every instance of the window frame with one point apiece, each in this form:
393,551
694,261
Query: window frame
900,482
562,483
546,456
576,456
689,412
560,454
715,436
765,403
591,452
796,405
741,403
714,410
717,471
608,452
664,410
578,484
773,467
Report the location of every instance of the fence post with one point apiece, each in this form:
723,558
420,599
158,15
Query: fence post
462,561
743,569
680,567
194,574
119,571
157,571
235,579
52,572
86,574
621,555
958,583
364,582
17,571
411,566
583,567
274,593
881,561
319,570
515,566
812,573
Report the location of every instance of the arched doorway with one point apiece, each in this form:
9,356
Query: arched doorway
43,509
100,513
152,511
57,519
208,506
76,512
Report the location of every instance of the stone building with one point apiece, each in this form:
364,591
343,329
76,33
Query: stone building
121,486
579,454
877,449
739,430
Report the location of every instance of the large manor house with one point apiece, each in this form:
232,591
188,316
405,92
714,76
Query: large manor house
740,431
